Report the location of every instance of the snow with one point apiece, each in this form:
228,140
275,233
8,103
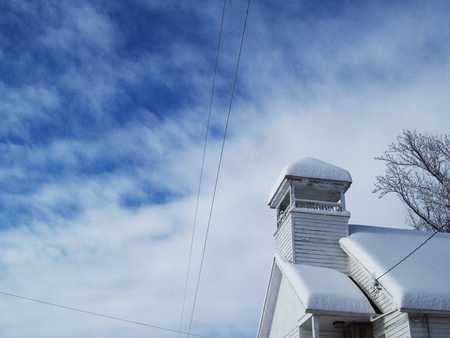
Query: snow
422,282
312,168
323,289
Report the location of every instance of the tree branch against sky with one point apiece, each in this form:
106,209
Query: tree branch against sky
418,171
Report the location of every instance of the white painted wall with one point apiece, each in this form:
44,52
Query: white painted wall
283,239
288,310
316,238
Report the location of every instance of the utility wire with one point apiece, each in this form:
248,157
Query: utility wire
97,314
408,255
219,166
202,167
211,101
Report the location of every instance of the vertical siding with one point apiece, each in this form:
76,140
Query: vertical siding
283,239
316,239
430,326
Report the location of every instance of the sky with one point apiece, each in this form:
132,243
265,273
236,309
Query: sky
103,106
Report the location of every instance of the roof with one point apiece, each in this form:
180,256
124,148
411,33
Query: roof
309,167
324,289
419,283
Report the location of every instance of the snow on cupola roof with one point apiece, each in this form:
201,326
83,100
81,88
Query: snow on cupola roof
311,168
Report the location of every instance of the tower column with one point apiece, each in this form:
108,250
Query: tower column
309,197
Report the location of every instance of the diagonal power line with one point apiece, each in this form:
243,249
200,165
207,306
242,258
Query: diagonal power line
202,167
219,166
97,314
412,252
195,221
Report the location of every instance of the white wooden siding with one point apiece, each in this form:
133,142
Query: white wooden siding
288,310
382,299
437,327
316,239
394,325
283,238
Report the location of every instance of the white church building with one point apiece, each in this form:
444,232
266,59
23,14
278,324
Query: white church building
329,277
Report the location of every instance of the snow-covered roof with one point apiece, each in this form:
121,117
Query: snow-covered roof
323,289
309,167
422,282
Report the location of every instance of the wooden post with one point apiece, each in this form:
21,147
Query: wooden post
343,200
315,327
292,195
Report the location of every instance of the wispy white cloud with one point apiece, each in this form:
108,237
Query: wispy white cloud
27,102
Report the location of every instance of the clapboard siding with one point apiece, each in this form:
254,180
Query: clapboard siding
430,326
283,238
381,298
316,239
393,325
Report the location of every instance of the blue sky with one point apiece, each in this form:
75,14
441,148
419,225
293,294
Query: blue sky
103,105
72,70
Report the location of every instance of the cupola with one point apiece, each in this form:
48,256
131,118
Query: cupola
310,184
309,197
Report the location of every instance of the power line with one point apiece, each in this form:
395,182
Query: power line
202,167
219,166
97,314
407,256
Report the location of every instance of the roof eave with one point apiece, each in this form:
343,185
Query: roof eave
430,311
340,313
276,192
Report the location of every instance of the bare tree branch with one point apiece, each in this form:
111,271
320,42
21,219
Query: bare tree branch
418,171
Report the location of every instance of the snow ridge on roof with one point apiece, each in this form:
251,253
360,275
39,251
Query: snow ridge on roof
314,168
422,281
309,167
324,289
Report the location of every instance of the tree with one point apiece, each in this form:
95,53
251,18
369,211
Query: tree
418,171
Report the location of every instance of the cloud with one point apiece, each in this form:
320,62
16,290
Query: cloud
338,85
22,104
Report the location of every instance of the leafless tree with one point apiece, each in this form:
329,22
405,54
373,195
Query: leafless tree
418,171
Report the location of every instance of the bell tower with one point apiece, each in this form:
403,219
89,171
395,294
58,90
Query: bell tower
309,198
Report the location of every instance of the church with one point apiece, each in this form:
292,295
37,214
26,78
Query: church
334,279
